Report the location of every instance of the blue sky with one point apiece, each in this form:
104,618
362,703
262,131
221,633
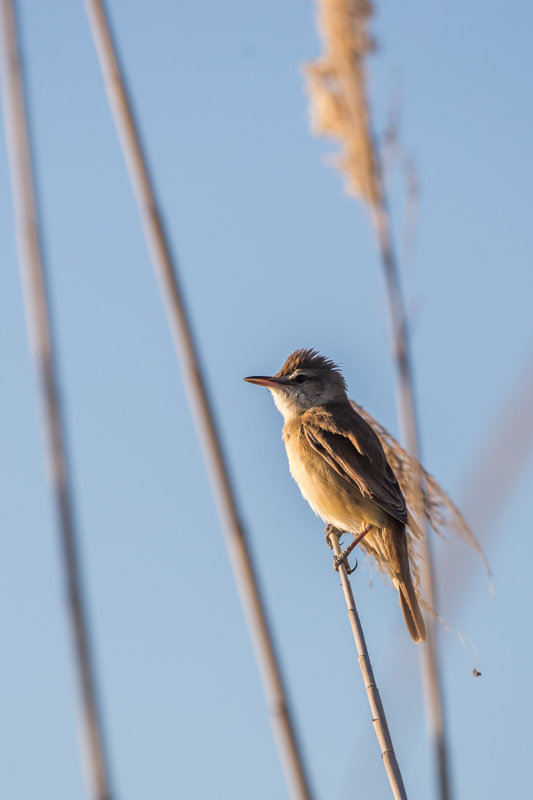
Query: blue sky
273,256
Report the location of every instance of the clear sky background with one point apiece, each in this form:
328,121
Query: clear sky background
273,256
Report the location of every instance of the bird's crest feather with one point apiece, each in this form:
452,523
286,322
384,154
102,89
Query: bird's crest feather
309,358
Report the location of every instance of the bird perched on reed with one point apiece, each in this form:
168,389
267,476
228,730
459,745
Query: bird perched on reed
339,464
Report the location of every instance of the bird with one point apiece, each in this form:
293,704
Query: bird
341,469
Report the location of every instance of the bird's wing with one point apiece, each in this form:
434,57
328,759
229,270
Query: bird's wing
350,446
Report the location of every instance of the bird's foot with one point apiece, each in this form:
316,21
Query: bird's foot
342,558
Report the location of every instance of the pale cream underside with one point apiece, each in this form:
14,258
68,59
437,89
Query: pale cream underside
334,499
331,497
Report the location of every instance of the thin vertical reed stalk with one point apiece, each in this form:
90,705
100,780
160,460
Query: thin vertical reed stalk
338,92
42,348
235,536
408,421
379,719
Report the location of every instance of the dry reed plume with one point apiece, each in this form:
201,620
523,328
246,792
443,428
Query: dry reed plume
336,84
438,509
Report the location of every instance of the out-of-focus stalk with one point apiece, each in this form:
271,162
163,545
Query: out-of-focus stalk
340,109
235,535
42,349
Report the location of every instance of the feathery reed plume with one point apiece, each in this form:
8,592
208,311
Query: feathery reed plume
339,108
439,510
236,538
43,351
336,84
379,719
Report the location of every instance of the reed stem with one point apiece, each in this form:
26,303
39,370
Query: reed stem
38,320
165,267
379,720
341,109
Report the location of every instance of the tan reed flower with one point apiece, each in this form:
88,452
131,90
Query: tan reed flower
336,85
438,509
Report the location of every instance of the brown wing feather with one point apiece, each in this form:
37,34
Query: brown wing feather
350,446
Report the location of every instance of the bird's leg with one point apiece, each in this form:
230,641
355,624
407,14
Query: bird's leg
329,530
343,557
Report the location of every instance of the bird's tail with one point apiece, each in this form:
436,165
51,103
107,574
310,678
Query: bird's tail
389,548
408,599
411,610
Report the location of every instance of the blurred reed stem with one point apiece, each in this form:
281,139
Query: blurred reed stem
38,320
433,692
379,719
340,109
235,535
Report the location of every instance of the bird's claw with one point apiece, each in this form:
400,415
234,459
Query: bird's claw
343,559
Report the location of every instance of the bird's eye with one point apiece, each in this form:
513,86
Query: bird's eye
300,379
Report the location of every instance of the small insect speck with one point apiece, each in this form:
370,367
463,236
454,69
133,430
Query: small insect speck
476,673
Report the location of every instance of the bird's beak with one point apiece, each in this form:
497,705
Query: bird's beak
261,380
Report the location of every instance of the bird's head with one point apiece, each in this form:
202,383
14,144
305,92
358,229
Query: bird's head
306,380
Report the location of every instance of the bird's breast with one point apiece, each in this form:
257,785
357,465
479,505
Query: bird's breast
333,498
